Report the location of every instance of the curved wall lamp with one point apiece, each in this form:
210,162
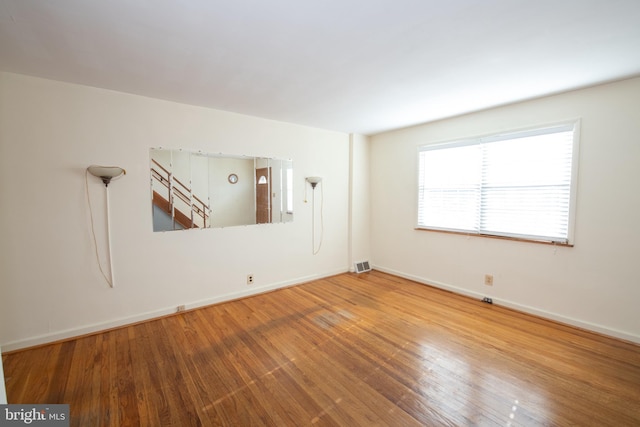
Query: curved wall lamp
314,181
106,174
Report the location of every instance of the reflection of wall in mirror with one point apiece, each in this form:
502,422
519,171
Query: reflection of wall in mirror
281,191
232,204
276,190
162,221
287,191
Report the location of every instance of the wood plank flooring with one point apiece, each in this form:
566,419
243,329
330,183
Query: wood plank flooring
350,350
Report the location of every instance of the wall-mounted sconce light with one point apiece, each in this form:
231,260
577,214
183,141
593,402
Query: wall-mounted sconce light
106,174
314,181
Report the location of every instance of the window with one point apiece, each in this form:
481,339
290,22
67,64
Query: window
519,185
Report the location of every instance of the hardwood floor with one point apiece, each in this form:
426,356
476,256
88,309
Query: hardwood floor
350,350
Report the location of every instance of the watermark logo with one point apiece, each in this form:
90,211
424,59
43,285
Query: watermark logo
34,415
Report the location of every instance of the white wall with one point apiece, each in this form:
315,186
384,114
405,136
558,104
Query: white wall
50,283
360,245
594,284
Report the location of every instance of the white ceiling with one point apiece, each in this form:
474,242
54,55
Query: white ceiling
362,66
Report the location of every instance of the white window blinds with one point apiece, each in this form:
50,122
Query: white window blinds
515,185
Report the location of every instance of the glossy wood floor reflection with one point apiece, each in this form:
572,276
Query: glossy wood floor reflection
350,350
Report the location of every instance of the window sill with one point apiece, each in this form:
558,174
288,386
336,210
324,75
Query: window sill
491,236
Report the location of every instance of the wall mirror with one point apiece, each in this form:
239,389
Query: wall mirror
199,190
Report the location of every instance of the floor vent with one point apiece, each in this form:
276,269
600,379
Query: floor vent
362,267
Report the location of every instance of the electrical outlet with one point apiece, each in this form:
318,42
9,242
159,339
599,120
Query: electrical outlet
488,279
487,300
249,279
180,308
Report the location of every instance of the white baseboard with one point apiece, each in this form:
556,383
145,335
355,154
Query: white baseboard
103,326
519,307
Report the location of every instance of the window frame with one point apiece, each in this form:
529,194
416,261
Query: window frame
500,136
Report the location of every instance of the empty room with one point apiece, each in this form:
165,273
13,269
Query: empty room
340,213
